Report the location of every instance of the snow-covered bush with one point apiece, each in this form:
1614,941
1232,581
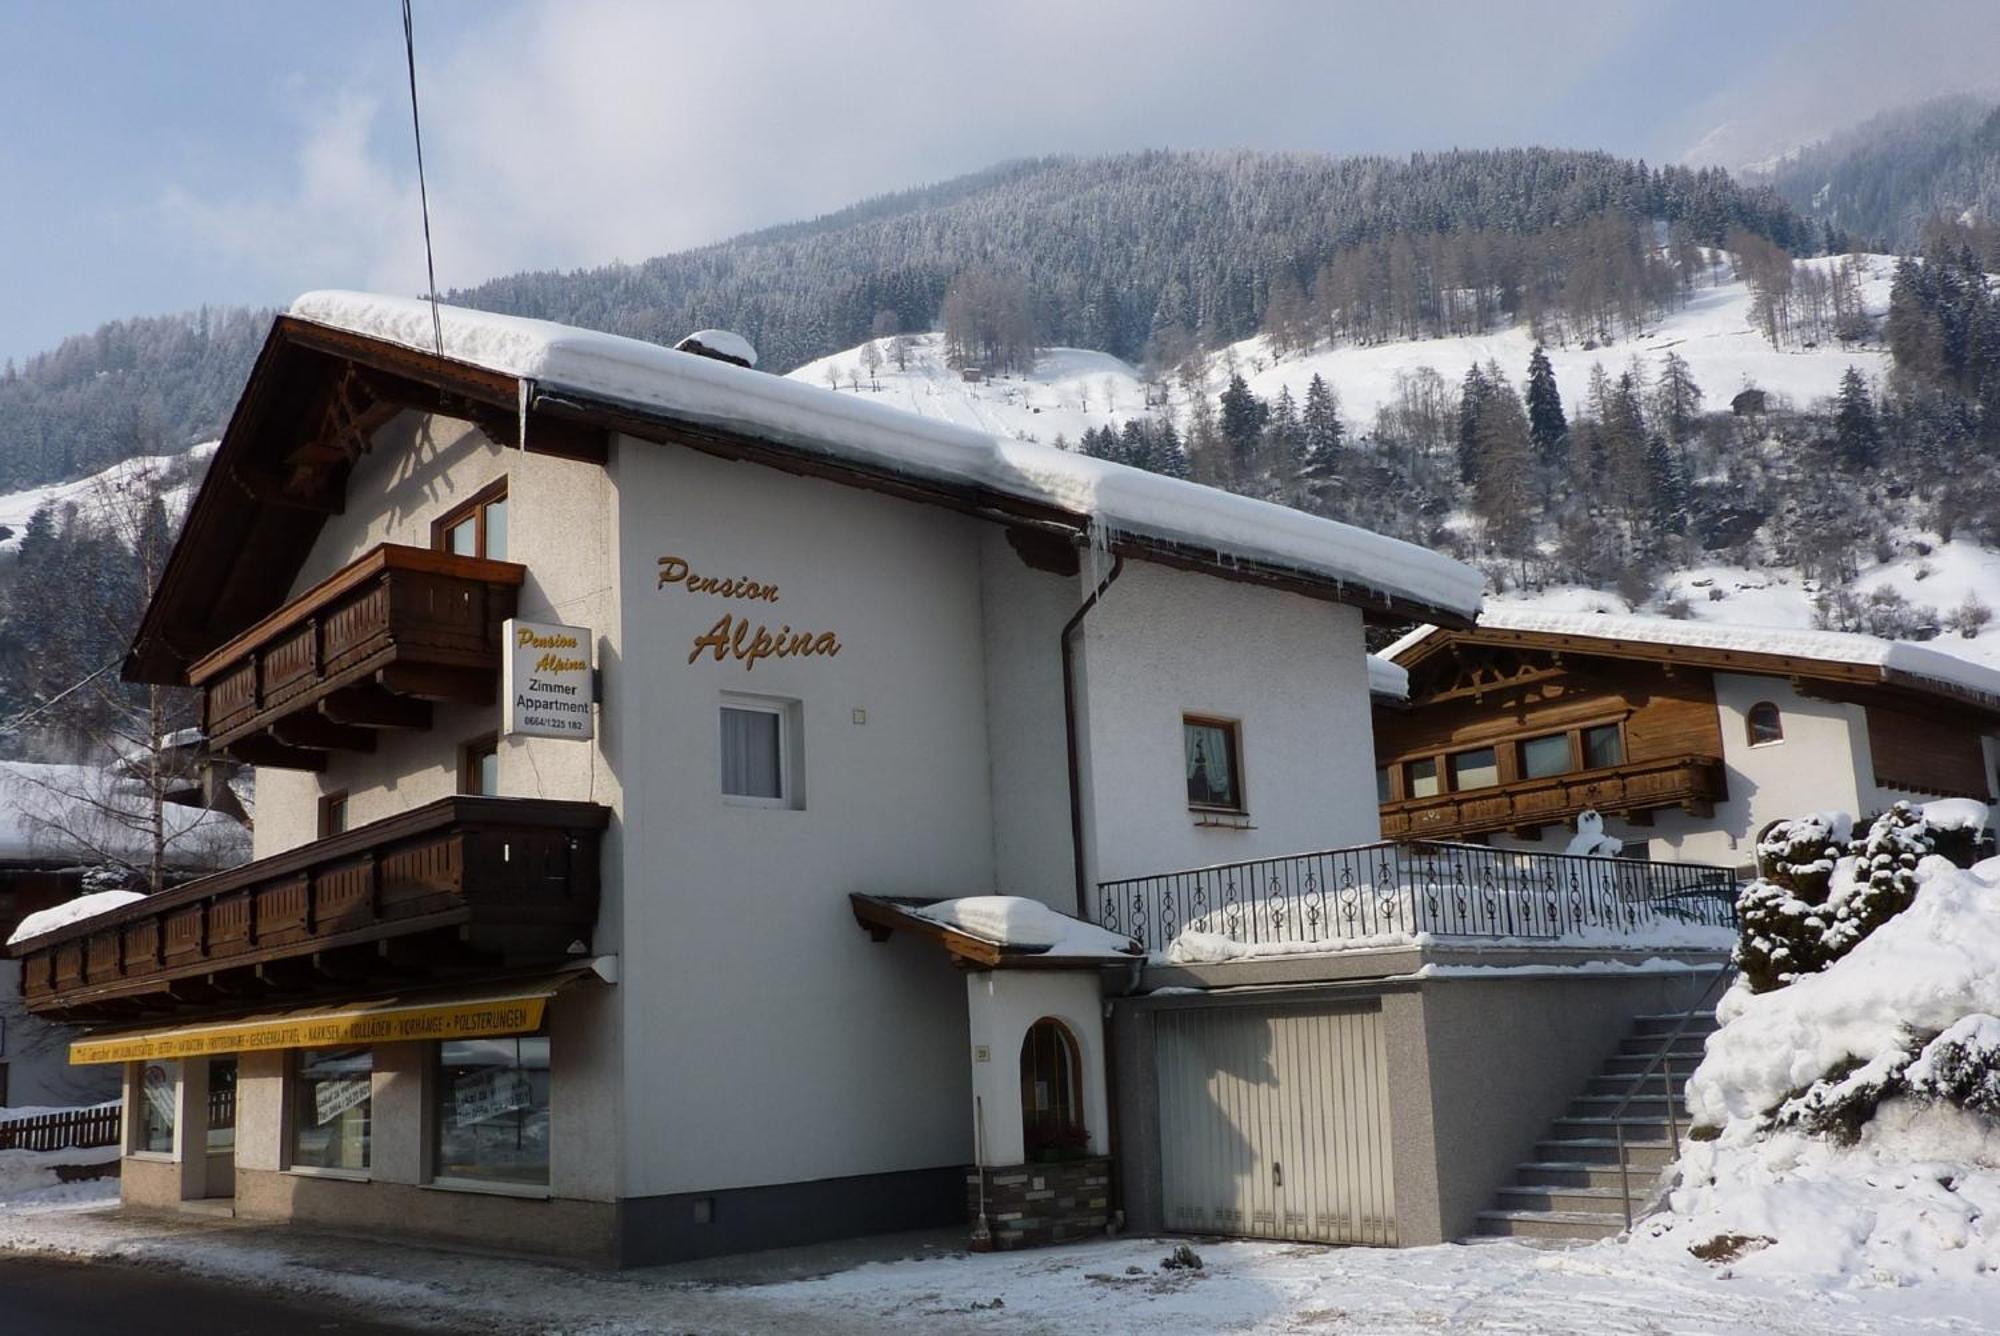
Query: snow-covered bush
1970,617
1883,881
1961,1066
1783,914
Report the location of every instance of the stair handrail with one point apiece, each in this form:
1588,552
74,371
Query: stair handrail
1724,974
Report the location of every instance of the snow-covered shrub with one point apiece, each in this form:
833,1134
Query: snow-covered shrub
1783,915
1883,881
1961,1066
1970,617
1842,1102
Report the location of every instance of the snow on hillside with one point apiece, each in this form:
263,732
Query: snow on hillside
1071,389
1713,331
16,508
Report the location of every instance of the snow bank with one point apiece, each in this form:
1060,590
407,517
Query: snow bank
1956,814
29,1177
1925,969
1014,920
72,911
819,421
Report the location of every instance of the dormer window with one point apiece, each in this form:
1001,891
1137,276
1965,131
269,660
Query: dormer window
1763,724
477,528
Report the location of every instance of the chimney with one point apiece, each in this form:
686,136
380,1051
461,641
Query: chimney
721,345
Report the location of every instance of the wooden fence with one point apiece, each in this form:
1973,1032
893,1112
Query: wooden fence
94,1125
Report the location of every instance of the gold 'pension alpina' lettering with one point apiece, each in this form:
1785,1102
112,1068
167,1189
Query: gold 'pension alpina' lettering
676,571
733,637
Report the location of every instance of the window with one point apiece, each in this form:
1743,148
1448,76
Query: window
1420,778
1474,769
755,767
1385,789
493,1111
1214,769
1542,757
1051,1093
1603,745
221,1105
1764,724
159,1089
476,529
479,767
333,815
331,1103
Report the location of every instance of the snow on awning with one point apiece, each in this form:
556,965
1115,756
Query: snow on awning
997,931
1118,500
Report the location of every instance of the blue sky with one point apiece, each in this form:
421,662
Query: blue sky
159,156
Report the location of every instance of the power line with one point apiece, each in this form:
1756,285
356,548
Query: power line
423,193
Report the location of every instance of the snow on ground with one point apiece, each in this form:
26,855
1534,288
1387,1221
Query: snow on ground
1713,331
16,508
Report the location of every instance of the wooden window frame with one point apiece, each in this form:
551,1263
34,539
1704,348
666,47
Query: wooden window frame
474,508
469,754
1506,758
329,803
1232,729
1750,724
1449,774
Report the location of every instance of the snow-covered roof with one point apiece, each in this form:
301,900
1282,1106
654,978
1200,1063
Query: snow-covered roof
1018,922
724,342
1899,658
1387,679
85,815
1122,501
70,912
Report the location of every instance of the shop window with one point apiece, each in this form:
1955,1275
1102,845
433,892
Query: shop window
1542,757
1475,769
1214,764
757,761
333,814
221,1105
492,1122
1764,724
1603,746
1052,1093
159,1090
477,528
479,767
331,1107
1420,778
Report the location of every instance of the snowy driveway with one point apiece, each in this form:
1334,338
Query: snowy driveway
1113,1286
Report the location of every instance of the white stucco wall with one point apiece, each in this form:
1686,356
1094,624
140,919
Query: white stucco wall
769,1039
1291,670
1001,1005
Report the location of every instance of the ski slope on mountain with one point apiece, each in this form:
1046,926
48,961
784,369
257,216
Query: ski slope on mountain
17,508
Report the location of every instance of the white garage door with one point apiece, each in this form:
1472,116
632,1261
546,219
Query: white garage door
1274,1124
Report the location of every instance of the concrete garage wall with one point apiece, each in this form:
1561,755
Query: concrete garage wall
1504,1057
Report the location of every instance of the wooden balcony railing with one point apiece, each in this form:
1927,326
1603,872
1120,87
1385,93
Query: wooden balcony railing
1692,782
368,648
464,883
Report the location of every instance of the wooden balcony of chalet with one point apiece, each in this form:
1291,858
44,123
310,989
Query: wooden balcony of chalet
369,648
459,886
1634,789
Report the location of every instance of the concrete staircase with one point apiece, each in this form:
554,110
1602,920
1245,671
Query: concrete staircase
1571,1189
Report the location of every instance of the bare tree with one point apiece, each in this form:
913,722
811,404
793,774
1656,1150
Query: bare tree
871,362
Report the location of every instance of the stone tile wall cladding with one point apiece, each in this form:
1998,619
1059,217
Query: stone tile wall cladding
1030,1205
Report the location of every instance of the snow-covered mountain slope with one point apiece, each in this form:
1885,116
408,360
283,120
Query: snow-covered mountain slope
1071,389
16,508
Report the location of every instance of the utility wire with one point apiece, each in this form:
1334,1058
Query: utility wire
423,193
34,712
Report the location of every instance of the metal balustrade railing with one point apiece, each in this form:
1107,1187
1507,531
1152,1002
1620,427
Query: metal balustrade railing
1396,891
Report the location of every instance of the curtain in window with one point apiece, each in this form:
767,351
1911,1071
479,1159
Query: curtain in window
1208,778
750,765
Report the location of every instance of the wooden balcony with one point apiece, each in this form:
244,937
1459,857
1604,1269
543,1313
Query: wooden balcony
369,648
461,885
1633,789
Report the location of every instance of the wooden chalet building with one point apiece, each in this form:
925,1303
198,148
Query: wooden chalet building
1688,737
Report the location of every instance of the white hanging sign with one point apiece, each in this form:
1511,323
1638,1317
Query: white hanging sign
547,680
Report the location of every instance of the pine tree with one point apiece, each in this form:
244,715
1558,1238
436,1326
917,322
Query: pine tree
1243,419
1471,398
1167,456
1548,428
1668,482
1503,490
1133,446
1857,435
1676,398
1321,419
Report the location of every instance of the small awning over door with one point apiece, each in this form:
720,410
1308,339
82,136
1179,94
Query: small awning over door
488,1011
